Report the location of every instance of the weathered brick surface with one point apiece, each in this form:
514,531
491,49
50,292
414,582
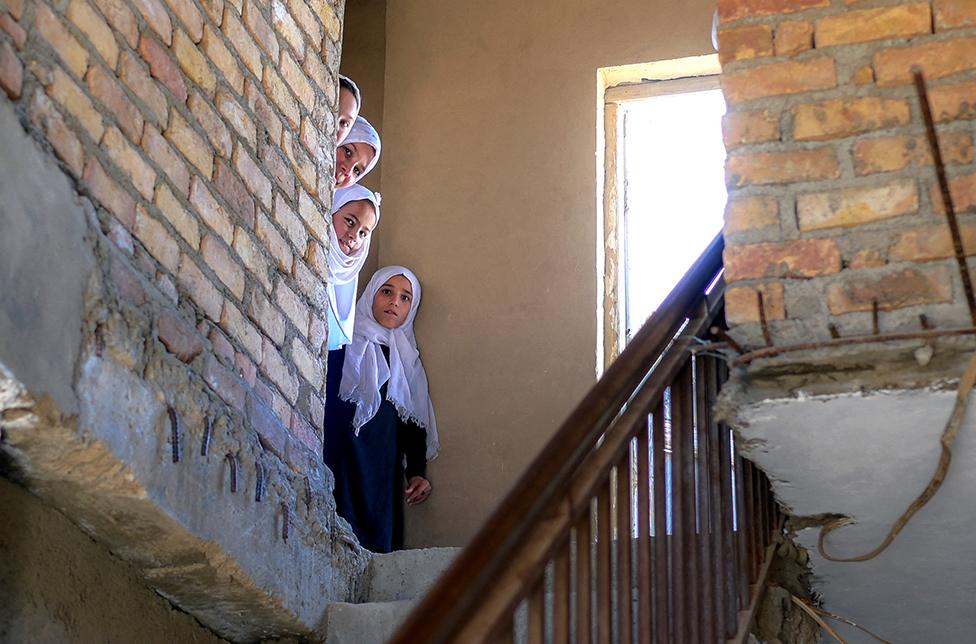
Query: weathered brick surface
109,193
962,190
137,79
221,261
65,92
287,28
953,102
295,309
745,128
11,71
212,124
187,141
269,236
130,161
800,258
157,240
793,37
781,167
252,257
254,178
13,29
242,42
742,303
190,16
735,9
891,153
99,34
280,95
239,328
193,62
275,367
162,67
866,258
236,117
103,86
750,213
741,43
926,243
229,386
210,210
184,223
898,21
223,60
291,224
200,288
778,79
62,138
56,35
160,152
893,289
267,317
847,116
936,59
235,192
263,34
954,14
121,18
179,337
156,16
856,206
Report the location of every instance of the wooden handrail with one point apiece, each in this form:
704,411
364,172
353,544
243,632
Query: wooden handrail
532,504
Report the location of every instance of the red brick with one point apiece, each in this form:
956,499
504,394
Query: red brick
307,21
268,235
130,161
221,345
776,79
235,193
109,194
66,46
745,128
102,86
288,221
271,396
121,18
212,213
255,180
742,303
236,117
856,206
306,435
62,138
305,169
215,9
193,63
178,337
14,30
212,124
16,8
163,155
252,257
863,76
847,116
261,30
926,243
743,214
891,290
319,74
263,111
952,102
281,96
11,71
137,79
242,42
177,216
271,432
190,16
245,367
791,259
295,309
234,323
962,189
762,168
187,141
96,29
936,59
313,216
162,67
899,21
741,43
954,14
729,10
156,17
228,385
213,45
891,153
157,240
267,317
275,367
793,37
201,290
222,262
866,258
126,284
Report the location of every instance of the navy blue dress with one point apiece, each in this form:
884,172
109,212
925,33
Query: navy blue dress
369,469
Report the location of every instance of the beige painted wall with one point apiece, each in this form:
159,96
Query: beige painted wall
489,135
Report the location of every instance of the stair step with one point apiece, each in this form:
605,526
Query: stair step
405,574
370,623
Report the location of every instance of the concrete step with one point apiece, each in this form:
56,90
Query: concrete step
369,623
406,574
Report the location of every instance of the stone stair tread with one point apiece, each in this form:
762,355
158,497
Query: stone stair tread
405,574
367,623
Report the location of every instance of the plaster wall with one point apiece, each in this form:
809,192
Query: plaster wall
489,181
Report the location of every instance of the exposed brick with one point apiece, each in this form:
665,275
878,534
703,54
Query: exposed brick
201,290
258,184
290,223
245,367
16,8
276,368
274,242
953,102
936,59
890,153
237,117
129,160
319,74
11,71
212,213
316,411
120,236
793,37
254,261
317,332
223,60
178,337
110,194
263,111
163,155
856,206
926,243
891,290
215,9
261,30
306,435
156,17
180,219
226,384
279,168
864,75
302,164
267,317
235,193
281,96
222,262
744,128
193,63
190,16
109,93
235,324
121,18
187,141
742,303
313,216
162,67
271,432
294,308
308,366
96,29
212,124
62,138
285,26
167,287
729,10
297,81
743,214
64,91
221,345
243,43
279,405
800,258
310,136
308,283
126,283
306,20
899,21
775,79
66,46
954,14
144,87
327,15
962,189
848,116
741,43
316,258
157,240
866,258
13,29
781,167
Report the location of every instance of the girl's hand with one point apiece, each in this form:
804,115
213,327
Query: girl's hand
418,489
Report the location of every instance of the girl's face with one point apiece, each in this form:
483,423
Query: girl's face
353,224
348,111
392,302
351,162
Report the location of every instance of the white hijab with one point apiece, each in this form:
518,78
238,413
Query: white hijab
363,132
365,369
344,269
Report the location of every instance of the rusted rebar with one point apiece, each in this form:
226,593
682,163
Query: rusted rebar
957,246
762,320
834,333
924,321
232,462
207,434
174,428
721,333
308,492
258,482
285,522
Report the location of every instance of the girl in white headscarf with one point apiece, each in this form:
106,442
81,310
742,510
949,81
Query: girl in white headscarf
380,429
357,154
355,214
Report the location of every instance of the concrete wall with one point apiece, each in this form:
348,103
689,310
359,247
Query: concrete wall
489,185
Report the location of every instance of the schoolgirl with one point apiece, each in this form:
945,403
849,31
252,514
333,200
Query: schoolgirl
357,154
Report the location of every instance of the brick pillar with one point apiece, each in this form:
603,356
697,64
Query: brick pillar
833,203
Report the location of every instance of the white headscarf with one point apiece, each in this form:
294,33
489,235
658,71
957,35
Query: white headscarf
344,269
355,89
362,132
365,369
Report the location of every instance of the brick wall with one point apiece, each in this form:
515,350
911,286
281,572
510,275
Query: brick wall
833,203
202,132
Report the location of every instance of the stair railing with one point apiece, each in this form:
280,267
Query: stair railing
637,521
